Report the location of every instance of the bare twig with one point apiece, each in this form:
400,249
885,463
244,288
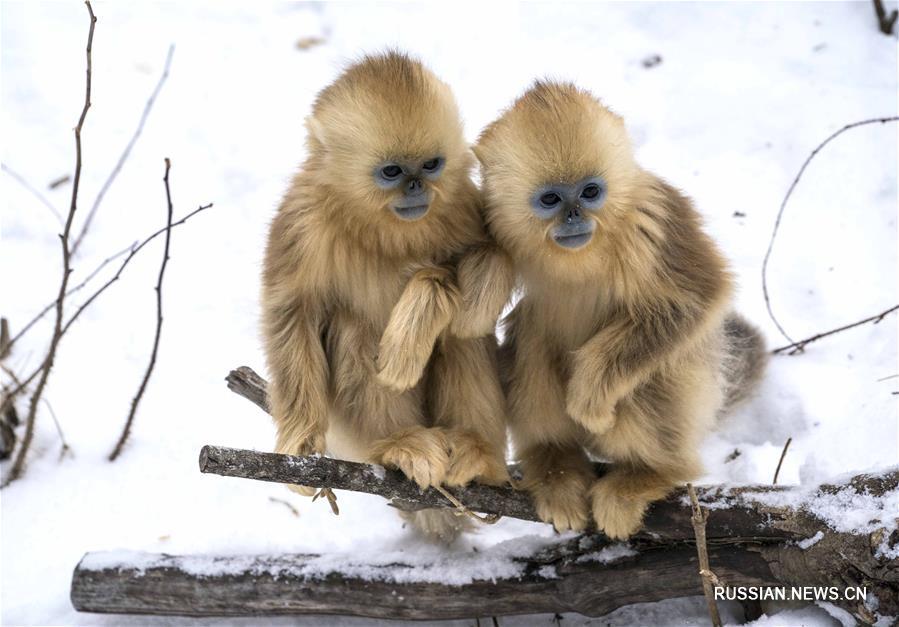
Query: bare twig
799,346
705,572
75,289
783,205
287,504
126,431
783,454
34,192
5,342
329,495
65,178
19,463
131,254
65,448
487,519
885,22
124,156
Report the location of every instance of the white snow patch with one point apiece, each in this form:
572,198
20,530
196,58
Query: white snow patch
548,572
810,542
609,554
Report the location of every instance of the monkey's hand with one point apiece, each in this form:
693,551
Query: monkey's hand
485,277
423,311
471,458
561,498
421,453
586,404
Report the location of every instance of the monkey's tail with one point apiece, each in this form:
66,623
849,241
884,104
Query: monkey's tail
745,358
438,525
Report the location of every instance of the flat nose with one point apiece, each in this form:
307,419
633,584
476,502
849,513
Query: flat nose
414,187
574,214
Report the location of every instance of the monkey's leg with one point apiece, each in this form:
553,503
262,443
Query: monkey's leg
558,476
485,277
298,392
465,397
423,311
620,498
549,444
375,424
654,444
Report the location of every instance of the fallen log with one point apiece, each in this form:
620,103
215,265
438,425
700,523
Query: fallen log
776,540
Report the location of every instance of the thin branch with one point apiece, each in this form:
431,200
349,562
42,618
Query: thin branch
34,191
799,346
65,445
126,431
131,253
124,156
19,463
783,205
5,342
709,579
885,22
43,312
287,504
65,178
783,454
130,256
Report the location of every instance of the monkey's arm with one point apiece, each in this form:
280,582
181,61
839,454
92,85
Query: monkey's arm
626,351
422,313
299,371
293,316
485,277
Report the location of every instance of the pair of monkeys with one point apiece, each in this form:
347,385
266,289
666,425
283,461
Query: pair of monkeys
387,268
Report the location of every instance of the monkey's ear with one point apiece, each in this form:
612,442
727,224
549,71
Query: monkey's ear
316,130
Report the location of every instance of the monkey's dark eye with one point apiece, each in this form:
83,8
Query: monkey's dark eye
391,171
550,199
591,192
431,164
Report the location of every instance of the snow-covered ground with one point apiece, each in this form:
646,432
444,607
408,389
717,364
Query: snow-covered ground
742,94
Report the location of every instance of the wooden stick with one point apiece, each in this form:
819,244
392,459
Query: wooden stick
705,572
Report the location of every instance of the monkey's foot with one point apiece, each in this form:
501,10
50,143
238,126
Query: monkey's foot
618,513
561,499
419,452
302,490
472,458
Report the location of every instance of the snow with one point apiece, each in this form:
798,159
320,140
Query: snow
454,566
742,94
608,554
810,542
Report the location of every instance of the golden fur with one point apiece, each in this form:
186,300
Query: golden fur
616,349
357,302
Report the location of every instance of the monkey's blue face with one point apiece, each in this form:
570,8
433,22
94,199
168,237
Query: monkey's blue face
409,180
569,206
